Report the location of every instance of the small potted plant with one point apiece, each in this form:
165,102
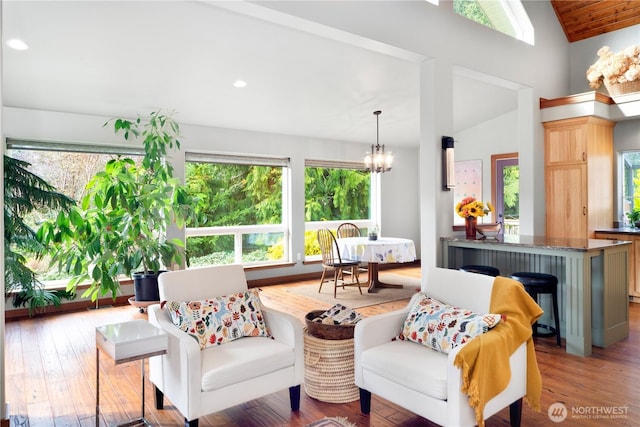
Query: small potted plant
373,233
634,217
120,227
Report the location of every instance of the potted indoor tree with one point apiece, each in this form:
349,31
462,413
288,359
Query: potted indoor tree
120,227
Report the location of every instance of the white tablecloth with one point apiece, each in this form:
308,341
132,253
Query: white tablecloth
384,250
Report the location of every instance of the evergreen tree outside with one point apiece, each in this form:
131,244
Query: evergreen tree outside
336,194
236,195
25,192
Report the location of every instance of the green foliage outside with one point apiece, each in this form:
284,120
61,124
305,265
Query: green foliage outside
25,193
472,10
235,195
336,194
511,177
631,179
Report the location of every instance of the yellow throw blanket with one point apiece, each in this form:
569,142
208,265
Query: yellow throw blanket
484,361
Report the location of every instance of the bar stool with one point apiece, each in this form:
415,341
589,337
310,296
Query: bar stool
541,283
481,269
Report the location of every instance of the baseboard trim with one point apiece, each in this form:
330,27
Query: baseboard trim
22,313
124,299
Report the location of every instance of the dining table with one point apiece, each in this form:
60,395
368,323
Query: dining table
383,250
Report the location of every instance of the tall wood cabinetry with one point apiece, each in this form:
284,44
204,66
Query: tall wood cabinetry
578,159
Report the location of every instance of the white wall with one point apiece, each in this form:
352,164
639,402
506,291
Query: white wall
499,134
400,209
541,71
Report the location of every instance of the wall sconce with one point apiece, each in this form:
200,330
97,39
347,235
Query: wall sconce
448,173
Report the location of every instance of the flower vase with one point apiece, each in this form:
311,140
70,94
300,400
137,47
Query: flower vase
470,227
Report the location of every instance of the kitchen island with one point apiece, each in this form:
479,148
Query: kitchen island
632,235
592,280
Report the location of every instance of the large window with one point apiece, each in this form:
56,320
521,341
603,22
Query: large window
336,192
630,181
244,204
508,17
68,167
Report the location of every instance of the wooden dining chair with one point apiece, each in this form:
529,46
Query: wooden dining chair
332,260
348,229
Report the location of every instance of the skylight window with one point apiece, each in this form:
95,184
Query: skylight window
506,16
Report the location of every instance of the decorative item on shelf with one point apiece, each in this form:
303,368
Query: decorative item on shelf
619,72
470,209
489,230
448,170
470,224
377,160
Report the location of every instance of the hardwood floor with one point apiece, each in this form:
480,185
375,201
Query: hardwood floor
50,372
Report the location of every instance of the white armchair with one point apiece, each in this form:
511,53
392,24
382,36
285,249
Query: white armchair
423,380
200,382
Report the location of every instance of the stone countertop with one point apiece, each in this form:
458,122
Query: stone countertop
622,230
543,242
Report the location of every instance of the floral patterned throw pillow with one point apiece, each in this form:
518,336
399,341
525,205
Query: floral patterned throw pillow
215,321
443,327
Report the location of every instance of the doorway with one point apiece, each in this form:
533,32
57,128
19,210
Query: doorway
505,191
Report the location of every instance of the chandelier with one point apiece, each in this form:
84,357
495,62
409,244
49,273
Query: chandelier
377,160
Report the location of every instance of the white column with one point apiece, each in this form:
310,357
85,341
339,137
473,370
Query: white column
436,120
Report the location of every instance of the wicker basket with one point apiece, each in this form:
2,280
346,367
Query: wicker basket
329,370
327,332
618,89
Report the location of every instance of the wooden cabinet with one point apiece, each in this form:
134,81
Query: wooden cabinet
578,160
634,256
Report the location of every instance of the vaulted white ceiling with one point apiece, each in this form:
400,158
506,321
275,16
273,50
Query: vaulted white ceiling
127,58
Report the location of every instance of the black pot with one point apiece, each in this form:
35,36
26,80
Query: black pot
145,286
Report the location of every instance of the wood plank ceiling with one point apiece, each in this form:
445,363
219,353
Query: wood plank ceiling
583,19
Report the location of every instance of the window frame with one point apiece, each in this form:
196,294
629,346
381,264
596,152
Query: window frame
627,202
374,200
22,144
239,231
508,17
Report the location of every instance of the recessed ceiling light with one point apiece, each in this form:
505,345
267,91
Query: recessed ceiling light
17,44
239,83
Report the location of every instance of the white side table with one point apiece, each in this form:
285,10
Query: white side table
126,342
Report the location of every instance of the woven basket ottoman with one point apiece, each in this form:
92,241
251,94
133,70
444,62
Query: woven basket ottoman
329,370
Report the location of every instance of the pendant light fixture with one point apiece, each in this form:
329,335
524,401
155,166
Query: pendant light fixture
377,160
